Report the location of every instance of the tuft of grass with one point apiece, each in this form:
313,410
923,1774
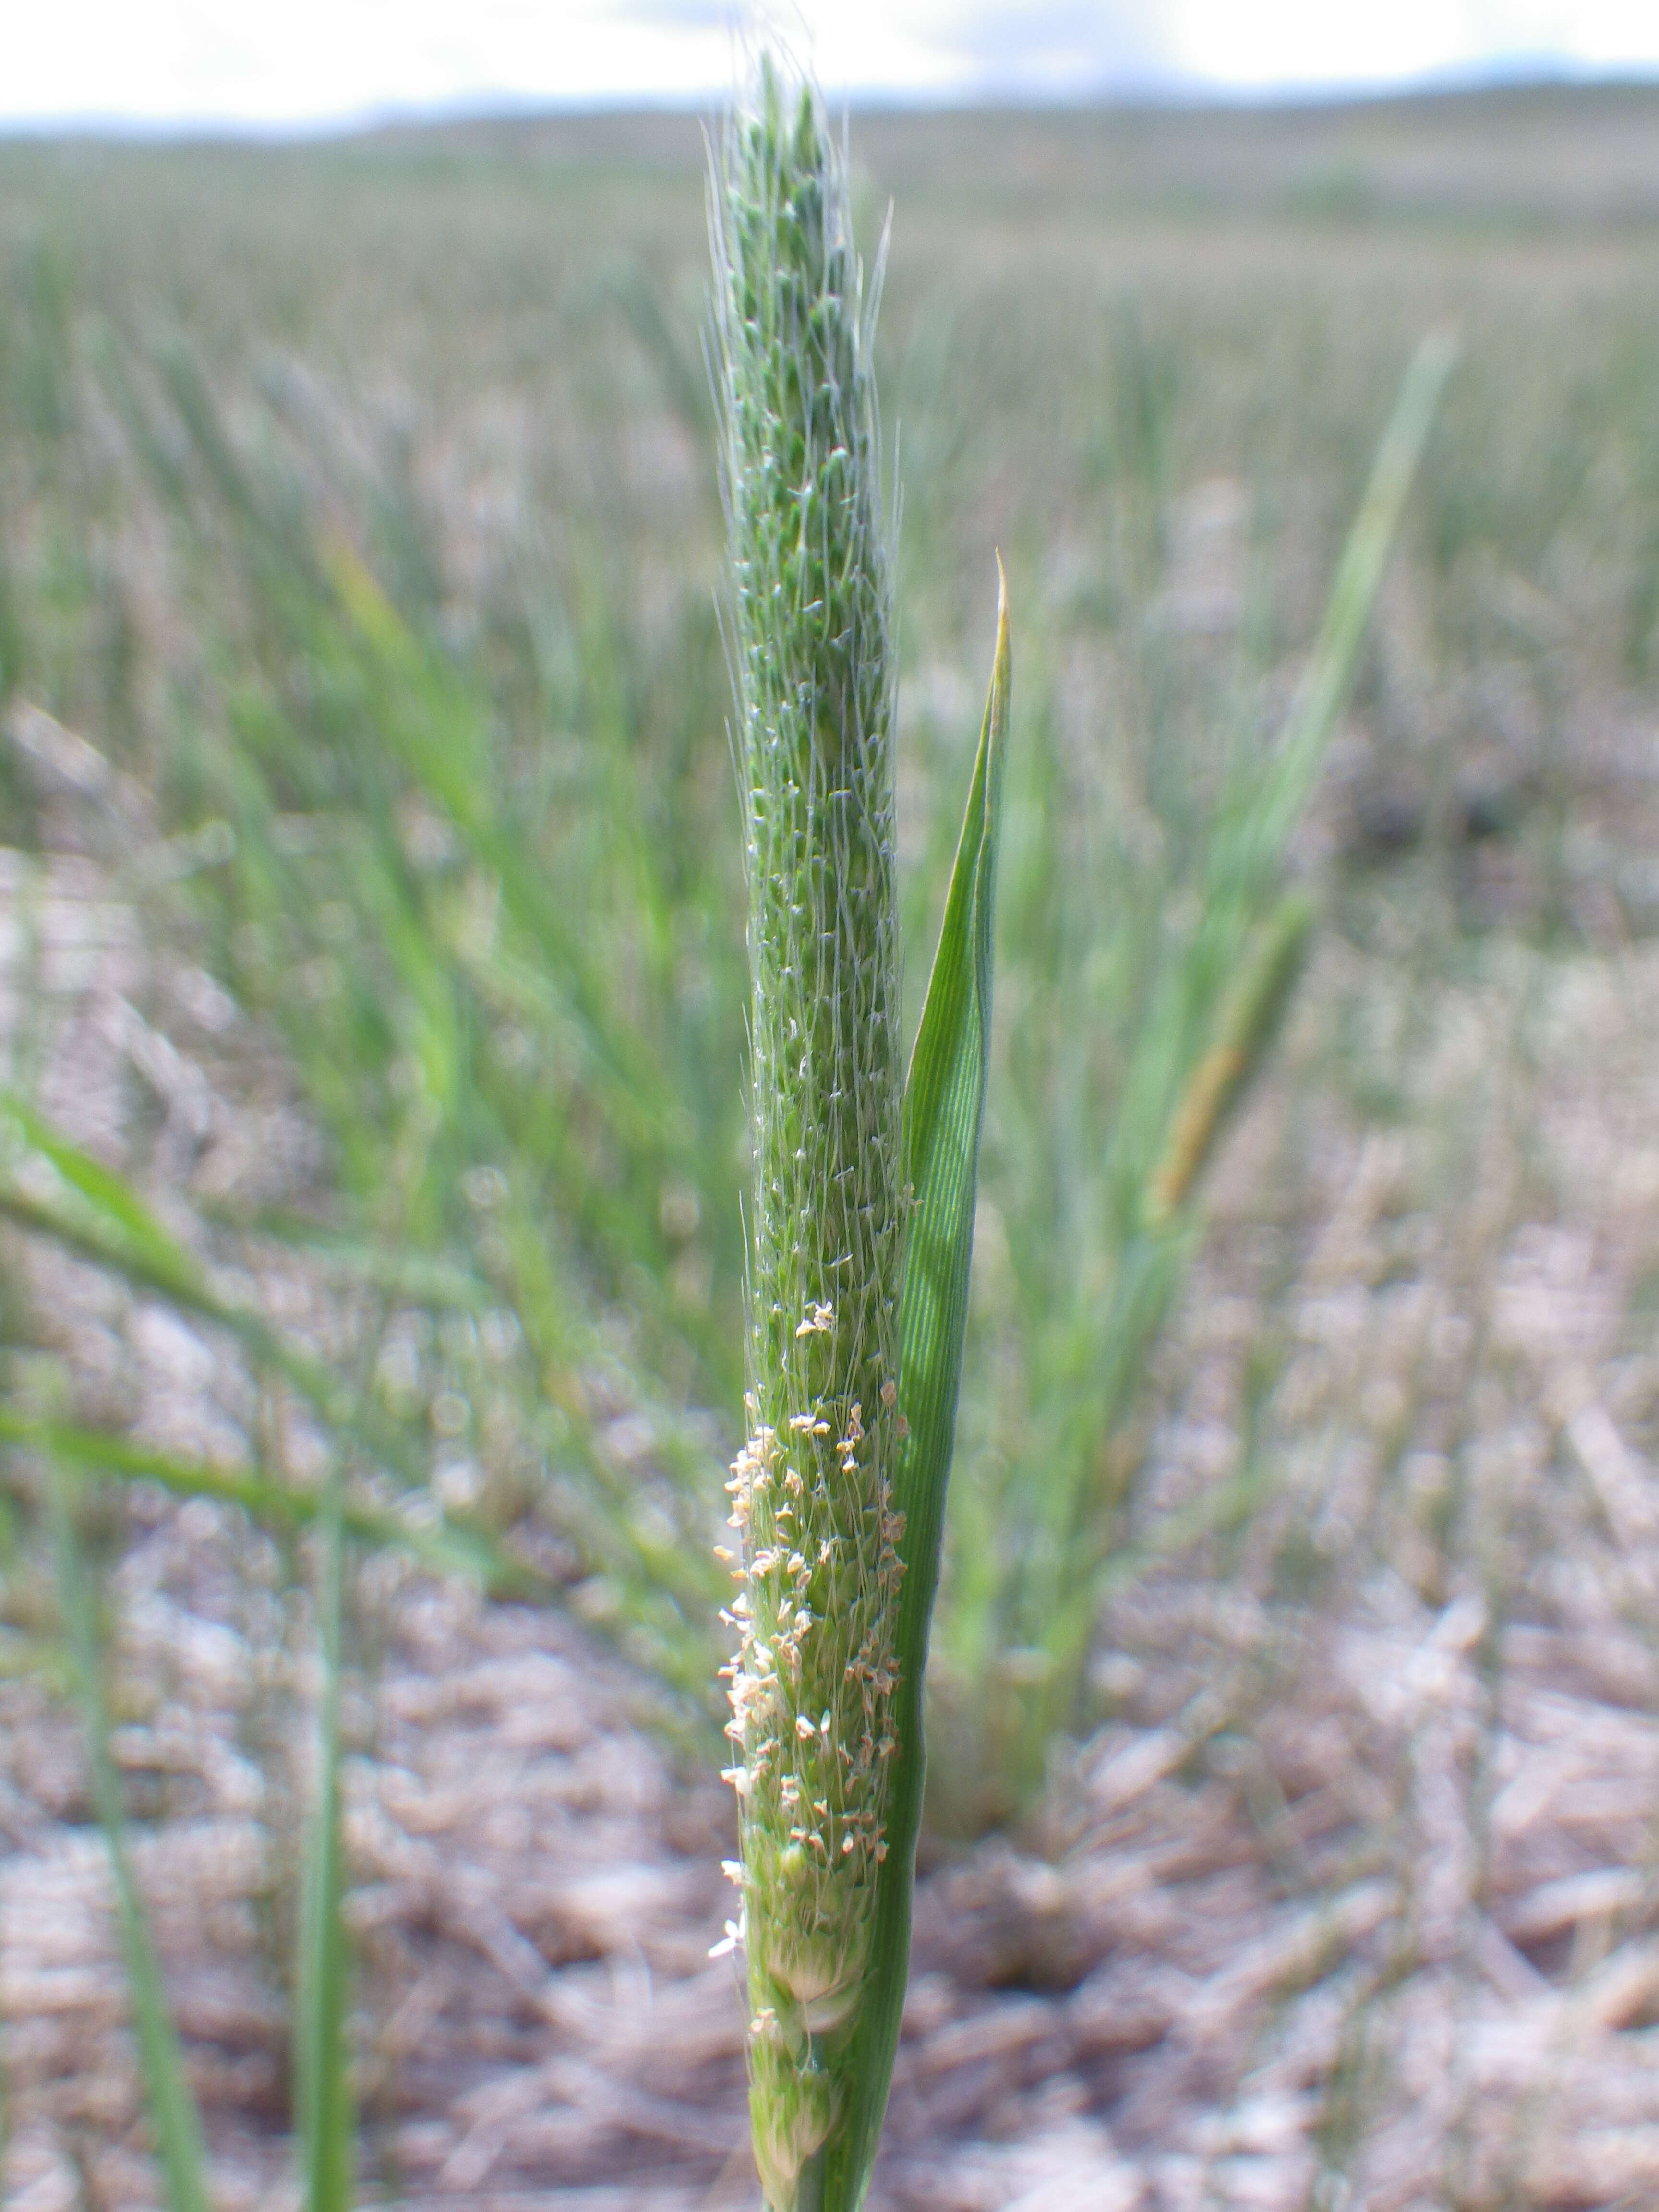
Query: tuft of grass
126,1238
1096,1184
506,1019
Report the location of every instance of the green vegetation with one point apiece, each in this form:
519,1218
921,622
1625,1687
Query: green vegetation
173,2111
357,504
825,1491
1032,1590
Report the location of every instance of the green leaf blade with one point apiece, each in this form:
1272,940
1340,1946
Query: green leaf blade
174,2114
1365,554
325,2114
943,1106
443,1545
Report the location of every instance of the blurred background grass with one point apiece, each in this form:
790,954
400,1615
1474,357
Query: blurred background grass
358,506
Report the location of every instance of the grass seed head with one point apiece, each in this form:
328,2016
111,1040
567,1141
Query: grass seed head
813,1679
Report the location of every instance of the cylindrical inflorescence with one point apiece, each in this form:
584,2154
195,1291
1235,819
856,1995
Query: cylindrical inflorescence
816,1612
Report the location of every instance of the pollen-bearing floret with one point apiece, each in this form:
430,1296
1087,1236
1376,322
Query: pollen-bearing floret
811,1687
816,1612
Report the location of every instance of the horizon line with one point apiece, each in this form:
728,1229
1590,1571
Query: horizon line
1159,92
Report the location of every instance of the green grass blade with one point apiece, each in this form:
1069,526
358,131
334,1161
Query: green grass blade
104,1190
445,1547
172,2111
1359,574
419,1278
321,2072
1244,871
106,1221
944,1105
429,724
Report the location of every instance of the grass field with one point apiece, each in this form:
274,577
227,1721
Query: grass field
358,508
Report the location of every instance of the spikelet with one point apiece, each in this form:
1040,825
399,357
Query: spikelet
812,1681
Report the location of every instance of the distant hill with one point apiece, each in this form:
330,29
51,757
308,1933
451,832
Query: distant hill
1531,155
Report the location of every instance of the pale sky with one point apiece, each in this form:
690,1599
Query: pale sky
243,63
